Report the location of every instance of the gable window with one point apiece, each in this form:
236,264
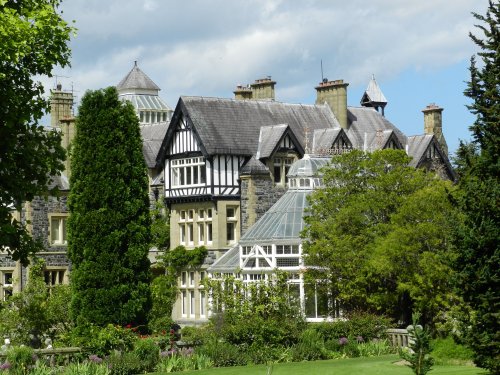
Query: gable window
281,169
58,230
188,172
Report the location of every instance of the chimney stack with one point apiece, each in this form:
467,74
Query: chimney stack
263,88
334,93
242,93
61,117
433,124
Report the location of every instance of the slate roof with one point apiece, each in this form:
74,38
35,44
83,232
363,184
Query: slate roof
152,138
268,138
364,120
324,138
254,167
232,126
373,93
137,79
417,145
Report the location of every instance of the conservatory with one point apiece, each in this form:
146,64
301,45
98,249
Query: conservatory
274,242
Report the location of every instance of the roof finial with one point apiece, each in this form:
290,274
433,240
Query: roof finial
306,131
373,76
135,63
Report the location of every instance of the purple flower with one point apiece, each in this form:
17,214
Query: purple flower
343,341
5,366
94,358
360,339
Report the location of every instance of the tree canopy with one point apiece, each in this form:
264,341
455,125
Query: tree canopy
109,225
33,40
478,197
377,235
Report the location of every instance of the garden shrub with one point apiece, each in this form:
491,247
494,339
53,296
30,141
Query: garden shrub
87,368
365,325
223,354
447,352
310,347
20,359
263,331
41,368
102,341
375,348
148,352
127,363
259,354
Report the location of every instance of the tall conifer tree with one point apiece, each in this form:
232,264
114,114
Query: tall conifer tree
109,226
478,240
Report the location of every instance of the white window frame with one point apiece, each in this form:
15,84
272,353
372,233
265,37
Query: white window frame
188,172
62,237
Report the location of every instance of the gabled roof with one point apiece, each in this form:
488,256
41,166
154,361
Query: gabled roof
271,136
368,121
417,149
233,126
417,146
268,139
137,79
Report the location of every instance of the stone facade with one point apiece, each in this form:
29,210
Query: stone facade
258,194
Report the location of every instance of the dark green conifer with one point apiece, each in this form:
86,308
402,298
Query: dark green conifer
478,240
109,226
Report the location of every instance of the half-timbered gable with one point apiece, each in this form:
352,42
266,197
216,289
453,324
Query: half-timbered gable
224,134
278,149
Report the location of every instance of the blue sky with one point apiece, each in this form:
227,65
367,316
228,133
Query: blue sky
419,51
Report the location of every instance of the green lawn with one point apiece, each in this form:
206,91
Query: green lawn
384,365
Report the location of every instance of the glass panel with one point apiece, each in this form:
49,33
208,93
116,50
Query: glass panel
54,230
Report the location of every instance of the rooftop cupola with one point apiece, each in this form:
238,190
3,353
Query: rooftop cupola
137,82
373,96
334,93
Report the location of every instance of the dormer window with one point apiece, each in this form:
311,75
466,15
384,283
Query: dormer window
281,168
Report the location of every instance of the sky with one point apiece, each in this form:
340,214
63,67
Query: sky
418,50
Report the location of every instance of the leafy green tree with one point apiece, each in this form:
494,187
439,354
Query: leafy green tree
36,310
377,236
478,198
109,226
33,39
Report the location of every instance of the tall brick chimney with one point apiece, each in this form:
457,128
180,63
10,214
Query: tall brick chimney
334,93
433,124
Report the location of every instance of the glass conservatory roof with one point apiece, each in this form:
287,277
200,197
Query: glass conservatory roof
308,166
146,102
283,222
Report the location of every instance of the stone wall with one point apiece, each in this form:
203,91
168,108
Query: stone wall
258,194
